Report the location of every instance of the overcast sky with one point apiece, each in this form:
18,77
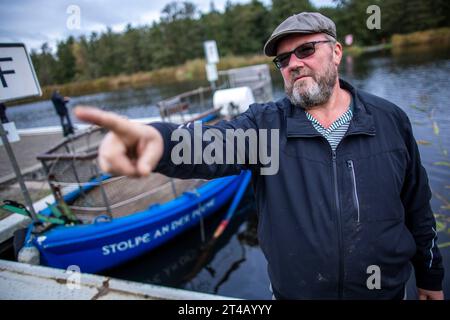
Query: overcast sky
34,22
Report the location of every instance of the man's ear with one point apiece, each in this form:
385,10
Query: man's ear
337,54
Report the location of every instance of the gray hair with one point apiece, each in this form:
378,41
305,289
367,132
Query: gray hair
330,38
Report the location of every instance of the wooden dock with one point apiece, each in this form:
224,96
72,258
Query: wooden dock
19,281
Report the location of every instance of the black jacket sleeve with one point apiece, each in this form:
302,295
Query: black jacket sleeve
416,195
198,167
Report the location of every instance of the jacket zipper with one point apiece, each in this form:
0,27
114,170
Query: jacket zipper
355,191
338,207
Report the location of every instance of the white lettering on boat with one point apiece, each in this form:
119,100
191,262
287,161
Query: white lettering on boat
160,232
125,245
199,211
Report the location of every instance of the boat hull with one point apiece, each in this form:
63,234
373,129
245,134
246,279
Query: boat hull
98,246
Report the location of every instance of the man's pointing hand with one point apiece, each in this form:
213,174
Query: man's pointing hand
130,148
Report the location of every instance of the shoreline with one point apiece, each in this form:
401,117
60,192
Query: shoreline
194,70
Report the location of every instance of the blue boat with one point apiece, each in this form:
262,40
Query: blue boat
85,229
105,244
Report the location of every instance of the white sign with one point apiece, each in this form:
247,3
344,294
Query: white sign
11,130
211,72
17,76
211,53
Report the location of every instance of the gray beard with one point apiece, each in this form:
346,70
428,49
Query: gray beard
317,94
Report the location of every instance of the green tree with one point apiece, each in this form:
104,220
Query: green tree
132,50
44,64
145,47
397,16
161,55
281,9
212,28
246,27
65,61
181,32
401,16
241,29
351,18
82,59
109,55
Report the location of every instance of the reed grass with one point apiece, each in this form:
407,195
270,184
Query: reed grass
193,70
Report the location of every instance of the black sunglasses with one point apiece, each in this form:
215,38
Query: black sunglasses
302,51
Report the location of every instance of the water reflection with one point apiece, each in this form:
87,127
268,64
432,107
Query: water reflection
233,261
133,103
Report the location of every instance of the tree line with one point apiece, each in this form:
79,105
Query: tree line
240,30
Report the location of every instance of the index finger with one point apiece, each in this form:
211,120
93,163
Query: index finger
103,119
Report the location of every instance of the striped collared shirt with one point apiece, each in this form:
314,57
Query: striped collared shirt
338,128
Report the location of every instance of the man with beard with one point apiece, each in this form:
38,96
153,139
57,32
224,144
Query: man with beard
348,212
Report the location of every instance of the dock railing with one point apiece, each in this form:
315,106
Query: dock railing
199,98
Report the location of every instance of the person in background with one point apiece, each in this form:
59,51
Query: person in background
3,117
59,102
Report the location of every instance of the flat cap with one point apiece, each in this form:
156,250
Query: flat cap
302,23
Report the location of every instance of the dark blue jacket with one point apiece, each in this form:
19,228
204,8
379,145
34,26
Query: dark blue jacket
325,218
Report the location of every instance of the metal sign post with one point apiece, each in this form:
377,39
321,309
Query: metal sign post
211,74
12,159
212,58
17,80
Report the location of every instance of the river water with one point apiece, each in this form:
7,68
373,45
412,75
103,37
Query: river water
417,81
